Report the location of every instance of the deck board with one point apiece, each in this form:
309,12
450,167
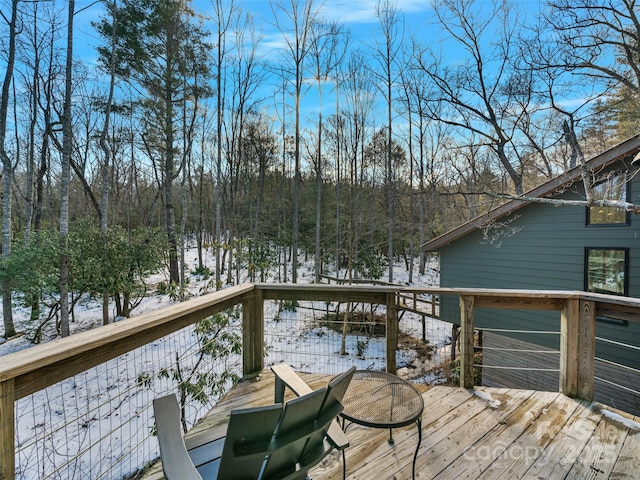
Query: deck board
530,434
628,465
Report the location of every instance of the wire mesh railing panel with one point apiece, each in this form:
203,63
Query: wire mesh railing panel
99,424
513,359
616,369
324,337
327,337
427,342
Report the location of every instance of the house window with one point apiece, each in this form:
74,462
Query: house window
606,270
614,187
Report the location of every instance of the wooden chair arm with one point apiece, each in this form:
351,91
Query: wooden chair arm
287,377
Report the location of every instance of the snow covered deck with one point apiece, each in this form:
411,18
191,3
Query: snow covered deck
488,433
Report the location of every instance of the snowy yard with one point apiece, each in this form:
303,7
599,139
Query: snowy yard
86,425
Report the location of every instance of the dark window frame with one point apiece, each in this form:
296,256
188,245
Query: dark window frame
625,285
627,215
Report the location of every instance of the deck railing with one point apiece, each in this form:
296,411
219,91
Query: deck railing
29,371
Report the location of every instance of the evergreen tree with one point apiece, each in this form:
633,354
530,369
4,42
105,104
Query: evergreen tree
162,49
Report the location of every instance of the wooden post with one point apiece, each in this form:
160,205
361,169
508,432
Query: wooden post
253,333
466,340
586,349
392,333
569,347
577,348
455,335
7,430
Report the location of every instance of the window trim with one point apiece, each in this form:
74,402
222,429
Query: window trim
627,216
625,286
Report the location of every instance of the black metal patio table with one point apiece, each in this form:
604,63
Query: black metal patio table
382,400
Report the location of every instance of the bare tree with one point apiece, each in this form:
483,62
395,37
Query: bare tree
386,55
480,92
594,57
8,167
295,24
328,46
600,39
408,105
594,49
33,92
245,77
46,101
223,14
110,68
352,130
429,140
551,83
65,177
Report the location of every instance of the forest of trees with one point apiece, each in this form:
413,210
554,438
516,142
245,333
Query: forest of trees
182,128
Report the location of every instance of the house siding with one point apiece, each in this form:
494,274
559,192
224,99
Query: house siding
542,246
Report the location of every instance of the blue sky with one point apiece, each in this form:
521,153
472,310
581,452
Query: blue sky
358,16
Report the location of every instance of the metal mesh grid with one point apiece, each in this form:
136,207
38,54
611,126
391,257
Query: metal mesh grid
99,423
316,337
309,337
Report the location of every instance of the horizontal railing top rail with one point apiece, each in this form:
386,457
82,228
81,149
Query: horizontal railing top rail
354,281
69,353
28,371
65,357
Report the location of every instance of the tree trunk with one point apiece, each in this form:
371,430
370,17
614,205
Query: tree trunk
7,311
106,151
319,189
65,179
169,168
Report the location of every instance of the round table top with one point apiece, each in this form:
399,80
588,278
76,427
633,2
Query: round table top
382,400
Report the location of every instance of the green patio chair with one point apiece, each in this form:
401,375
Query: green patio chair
285,377
261,443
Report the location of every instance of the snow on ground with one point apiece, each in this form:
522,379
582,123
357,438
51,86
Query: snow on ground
616,417
493,403
83,426
88,311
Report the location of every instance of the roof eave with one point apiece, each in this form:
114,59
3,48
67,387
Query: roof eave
619,151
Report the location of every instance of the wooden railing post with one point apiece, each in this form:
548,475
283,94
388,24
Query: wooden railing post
569,347
7,430
586,349
392,333
253,333
466,340
577,348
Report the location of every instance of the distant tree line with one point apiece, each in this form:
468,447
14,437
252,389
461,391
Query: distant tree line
184,133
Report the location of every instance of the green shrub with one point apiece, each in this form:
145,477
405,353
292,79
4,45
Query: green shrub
454,369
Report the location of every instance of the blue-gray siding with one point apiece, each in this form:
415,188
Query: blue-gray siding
541,247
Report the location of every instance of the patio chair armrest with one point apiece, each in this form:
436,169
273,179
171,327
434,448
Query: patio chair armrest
337,437
176,462
287,377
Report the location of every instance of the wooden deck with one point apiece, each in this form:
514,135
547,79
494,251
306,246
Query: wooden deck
489,434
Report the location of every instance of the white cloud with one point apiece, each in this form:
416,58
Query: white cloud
364,11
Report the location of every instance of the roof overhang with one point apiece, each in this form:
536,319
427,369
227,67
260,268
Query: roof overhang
627,148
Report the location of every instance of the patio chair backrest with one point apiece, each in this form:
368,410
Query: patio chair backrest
261,443
249,434
337,387
300,442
